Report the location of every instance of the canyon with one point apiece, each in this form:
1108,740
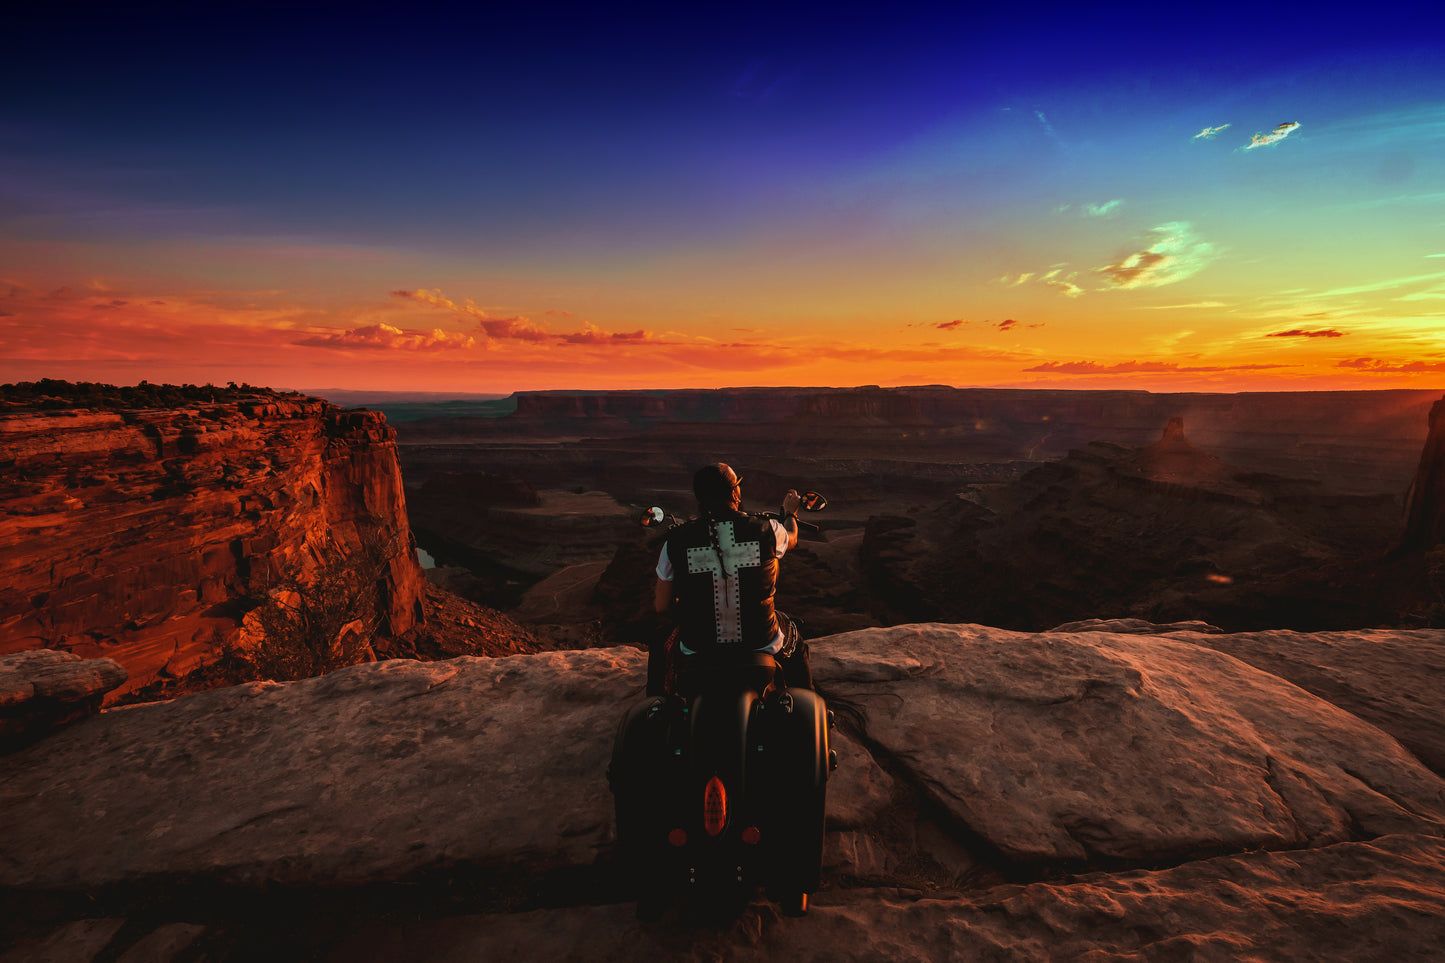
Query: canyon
1018,508
1116,786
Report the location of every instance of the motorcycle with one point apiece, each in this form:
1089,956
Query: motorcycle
723,788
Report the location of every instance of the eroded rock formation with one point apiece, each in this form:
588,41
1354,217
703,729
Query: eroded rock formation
1213,809
43,688
134,534
1425,511
1166,532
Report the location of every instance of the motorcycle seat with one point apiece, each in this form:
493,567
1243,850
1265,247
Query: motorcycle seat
729,670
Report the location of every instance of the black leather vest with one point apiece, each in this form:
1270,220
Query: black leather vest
725,588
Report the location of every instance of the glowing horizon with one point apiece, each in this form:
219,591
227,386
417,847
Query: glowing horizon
690,201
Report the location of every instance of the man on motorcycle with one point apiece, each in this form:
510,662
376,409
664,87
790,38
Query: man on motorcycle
717,575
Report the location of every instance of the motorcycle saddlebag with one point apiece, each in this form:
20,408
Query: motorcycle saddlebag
796,735
642,758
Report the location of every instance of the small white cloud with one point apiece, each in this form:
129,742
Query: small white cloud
1173,254
1068,287
1209,132
1106,209
1273,137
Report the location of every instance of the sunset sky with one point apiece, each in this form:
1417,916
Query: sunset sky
484,198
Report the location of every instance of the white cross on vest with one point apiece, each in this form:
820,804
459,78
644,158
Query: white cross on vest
723,564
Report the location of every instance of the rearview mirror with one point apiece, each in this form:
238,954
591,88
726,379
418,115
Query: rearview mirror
653,516
812,502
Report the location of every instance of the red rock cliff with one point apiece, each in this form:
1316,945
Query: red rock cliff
135,534
1425,508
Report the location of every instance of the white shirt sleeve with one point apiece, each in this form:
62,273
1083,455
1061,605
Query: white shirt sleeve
780,538
664,565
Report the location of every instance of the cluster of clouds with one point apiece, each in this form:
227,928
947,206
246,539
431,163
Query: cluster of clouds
1166,254
1172,253
1304,333
489,328
1054,278
1274,136
1379,366
1141,367
1007,324
386,337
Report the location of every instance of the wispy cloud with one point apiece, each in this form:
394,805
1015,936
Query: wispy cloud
1379,366
1055,278
949,325
1106,209
1380,285
1136,367
518,327
1065,284
1209,132
591,334
1172,254
1181,307
1279,133
1429,294
1302,333
388,338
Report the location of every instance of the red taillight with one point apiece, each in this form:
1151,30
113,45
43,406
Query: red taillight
678,838
751,835
714,806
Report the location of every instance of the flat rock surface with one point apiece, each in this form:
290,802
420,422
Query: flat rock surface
1382,901
1218,811
1393,678
1090,746
371,773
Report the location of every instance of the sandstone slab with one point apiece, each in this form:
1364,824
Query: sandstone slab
1393,678
42,688
376,772
1381,901
1100,747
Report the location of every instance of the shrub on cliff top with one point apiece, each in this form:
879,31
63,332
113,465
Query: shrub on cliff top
54,393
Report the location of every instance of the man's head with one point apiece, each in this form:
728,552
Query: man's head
716,487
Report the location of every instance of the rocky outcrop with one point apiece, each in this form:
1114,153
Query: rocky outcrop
1363,441
1164,533
1135,627
44,688
136,534
1425,508
1213,807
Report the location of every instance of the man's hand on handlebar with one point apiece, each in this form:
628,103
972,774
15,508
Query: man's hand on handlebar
791,501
